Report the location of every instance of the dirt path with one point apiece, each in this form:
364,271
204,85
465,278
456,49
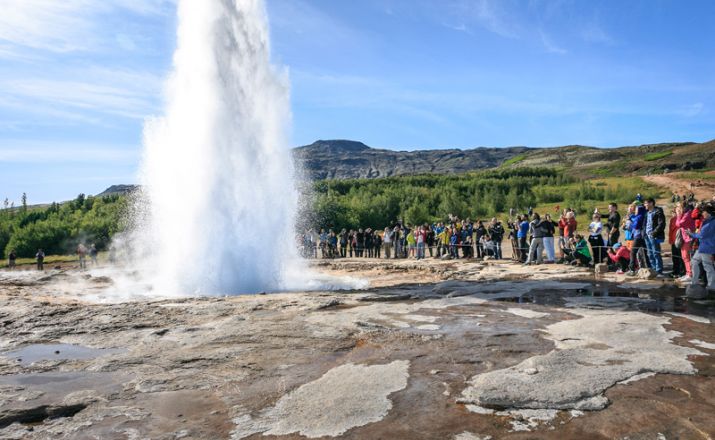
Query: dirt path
680,185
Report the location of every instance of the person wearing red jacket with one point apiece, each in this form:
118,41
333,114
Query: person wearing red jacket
620,256
686,222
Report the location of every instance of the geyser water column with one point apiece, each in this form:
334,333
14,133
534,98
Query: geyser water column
219,201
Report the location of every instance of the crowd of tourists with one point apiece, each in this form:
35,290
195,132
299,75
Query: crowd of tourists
622,243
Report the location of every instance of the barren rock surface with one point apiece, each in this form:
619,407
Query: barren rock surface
432,350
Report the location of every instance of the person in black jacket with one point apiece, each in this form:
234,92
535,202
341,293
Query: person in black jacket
496,233
480,232
613,224
654,234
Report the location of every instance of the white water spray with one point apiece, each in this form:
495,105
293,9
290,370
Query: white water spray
220,200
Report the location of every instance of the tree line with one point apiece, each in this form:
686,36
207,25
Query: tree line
59,228
337,204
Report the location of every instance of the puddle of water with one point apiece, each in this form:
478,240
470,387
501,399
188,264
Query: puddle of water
658,300
42,352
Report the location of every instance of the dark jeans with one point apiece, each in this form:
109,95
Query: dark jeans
523,249
678,264
596,242
613,238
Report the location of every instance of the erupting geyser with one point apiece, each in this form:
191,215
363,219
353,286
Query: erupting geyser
219,199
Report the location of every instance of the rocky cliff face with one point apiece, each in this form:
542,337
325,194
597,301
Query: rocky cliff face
341,159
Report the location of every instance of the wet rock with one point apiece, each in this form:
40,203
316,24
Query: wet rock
601,268
646,273
590,370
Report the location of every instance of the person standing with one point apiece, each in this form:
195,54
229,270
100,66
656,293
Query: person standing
637,221
521,234
685,222
396,241
359,243
675,238
536,247
654,234
376,244
93,254
82,254
420,240
40,257
595,238
387,242
480,231
368,242
430,238
496,233
549,230
612,225
343,243
12,259
704,255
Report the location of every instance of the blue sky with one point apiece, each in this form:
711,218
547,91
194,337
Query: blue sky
79,77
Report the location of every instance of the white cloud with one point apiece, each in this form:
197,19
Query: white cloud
494,16
63,152
101,91
63,26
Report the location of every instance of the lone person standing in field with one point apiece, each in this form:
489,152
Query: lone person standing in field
40,257
82,254
11,259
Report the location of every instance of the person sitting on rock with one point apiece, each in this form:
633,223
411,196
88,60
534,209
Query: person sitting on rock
580,255
619,256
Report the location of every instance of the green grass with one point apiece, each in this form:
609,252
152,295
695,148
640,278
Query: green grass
49,259
655,156
514,160
102,257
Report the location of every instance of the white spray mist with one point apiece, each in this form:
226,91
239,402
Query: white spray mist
219,197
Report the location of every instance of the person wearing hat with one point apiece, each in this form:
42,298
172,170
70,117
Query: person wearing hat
620,256
704,256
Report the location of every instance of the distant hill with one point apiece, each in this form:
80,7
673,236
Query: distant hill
118,190
344,159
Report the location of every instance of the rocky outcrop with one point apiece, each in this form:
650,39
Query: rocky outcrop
342,159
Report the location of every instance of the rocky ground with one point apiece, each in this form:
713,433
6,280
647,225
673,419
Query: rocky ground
431,350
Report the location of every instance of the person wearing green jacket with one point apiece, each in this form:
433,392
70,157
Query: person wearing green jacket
582,253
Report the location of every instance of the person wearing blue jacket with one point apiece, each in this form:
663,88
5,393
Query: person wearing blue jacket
521,234
637,224
705,254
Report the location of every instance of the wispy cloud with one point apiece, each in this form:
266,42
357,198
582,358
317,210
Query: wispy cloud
63,152
592,32
62,26
491,15
692,110
549,44
122,93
